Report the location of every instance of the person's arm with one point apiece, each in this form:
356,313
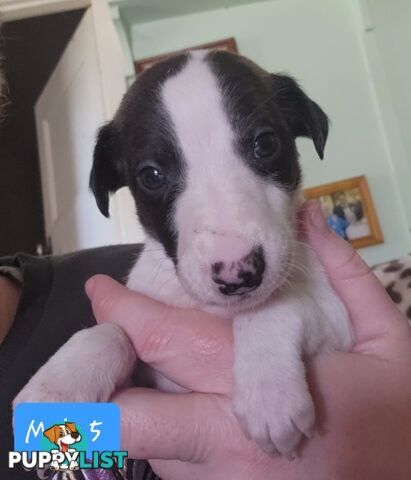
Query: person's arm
9,300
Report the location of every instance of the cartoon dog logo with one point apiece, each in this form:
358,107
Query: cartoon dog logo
64,436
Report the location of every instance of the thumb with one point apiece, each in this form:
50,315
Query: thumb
186,346
370,308
113,302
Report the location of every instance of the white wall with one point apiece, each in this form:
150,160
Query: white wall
318,42
386,38
391,25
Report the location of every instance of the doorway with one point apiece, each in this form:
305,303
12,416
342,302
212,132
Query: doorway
31,48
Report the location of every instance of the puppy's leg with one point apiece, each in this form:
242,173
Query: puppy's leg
271,396
88,368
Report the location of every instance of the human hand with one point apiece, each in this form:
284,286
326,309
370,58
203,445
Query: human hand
363,398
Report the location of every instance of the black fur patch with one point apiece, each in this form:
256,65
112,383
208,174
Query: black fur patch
257,102
143,137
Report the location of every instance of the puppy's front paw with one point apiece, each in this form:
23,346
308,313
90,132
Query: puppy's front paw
88,368
276,415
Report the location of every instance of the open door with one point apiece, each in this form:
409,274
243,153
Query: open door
80,96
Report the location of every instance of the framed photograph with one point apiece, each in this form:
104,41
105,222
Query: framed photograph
228,44
348,208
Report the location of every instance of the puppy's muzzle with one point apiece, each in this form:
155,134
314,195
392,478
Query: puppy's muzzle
75,435
243,276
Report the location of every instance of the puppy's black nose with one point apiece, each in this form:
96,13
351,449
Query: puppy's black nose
238,278
75,435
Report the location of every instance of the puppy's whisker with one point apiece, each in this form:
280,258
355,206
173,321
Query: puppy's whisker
300,268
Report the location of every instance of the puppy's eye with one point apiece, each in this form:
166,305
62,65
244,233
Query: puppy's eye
152,178
265,145
61,434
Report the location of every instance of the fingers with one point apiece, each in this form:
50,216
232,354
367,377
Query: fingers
182,427
371,310
186,346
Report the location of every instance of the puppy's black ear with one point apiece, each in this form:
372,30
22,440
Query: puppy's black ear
107,174
305,117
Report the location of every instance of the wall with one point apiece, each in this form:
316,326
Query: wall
387,36
320,44
392,29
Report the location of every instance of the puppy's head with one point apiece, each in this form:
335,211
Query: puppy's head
63,435
206,144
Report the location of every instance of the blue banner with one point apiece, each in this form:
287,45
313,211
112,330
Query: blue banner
82,427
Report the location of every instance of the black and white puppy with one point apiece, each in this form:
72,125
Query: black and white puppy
206,143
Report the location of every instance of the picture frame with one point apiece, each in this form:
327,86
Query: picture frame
227,44
349,210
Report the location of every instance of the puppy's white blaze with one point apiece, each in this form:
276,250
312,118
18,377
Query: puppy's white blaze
222,197
194,104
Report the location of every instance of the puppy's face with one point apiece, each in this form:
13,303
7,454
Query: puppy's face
206,144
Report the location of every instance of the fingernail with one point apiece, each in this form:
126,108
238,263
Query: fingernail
316,216
89,287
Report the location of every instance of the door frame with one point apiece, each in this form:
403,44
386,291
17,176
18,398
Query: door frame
11,10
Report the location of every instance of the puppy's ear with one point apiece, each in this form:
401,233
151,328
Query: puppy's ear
304,117
71,426
51,433
107,174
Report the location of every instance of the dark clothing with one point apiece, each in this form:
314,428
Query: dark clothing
53,306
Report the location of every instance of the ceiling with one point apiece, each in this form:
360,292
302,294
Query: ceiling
141,11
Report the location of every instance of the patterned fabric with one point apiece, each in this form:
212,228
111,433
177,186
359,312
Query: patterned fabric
396,278
134,470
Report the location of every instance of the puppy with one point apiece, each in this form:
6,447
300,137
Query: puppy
206,143
63,436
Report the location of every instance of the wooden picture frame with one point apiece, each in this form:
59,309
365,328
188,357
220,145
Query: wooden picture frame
349,210
228,44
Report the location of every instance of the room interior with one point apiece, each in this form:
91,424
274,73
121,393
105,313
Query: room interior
347,54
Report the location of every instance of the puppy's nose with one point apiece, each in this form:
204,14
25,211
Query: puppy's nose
238,278
75,435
